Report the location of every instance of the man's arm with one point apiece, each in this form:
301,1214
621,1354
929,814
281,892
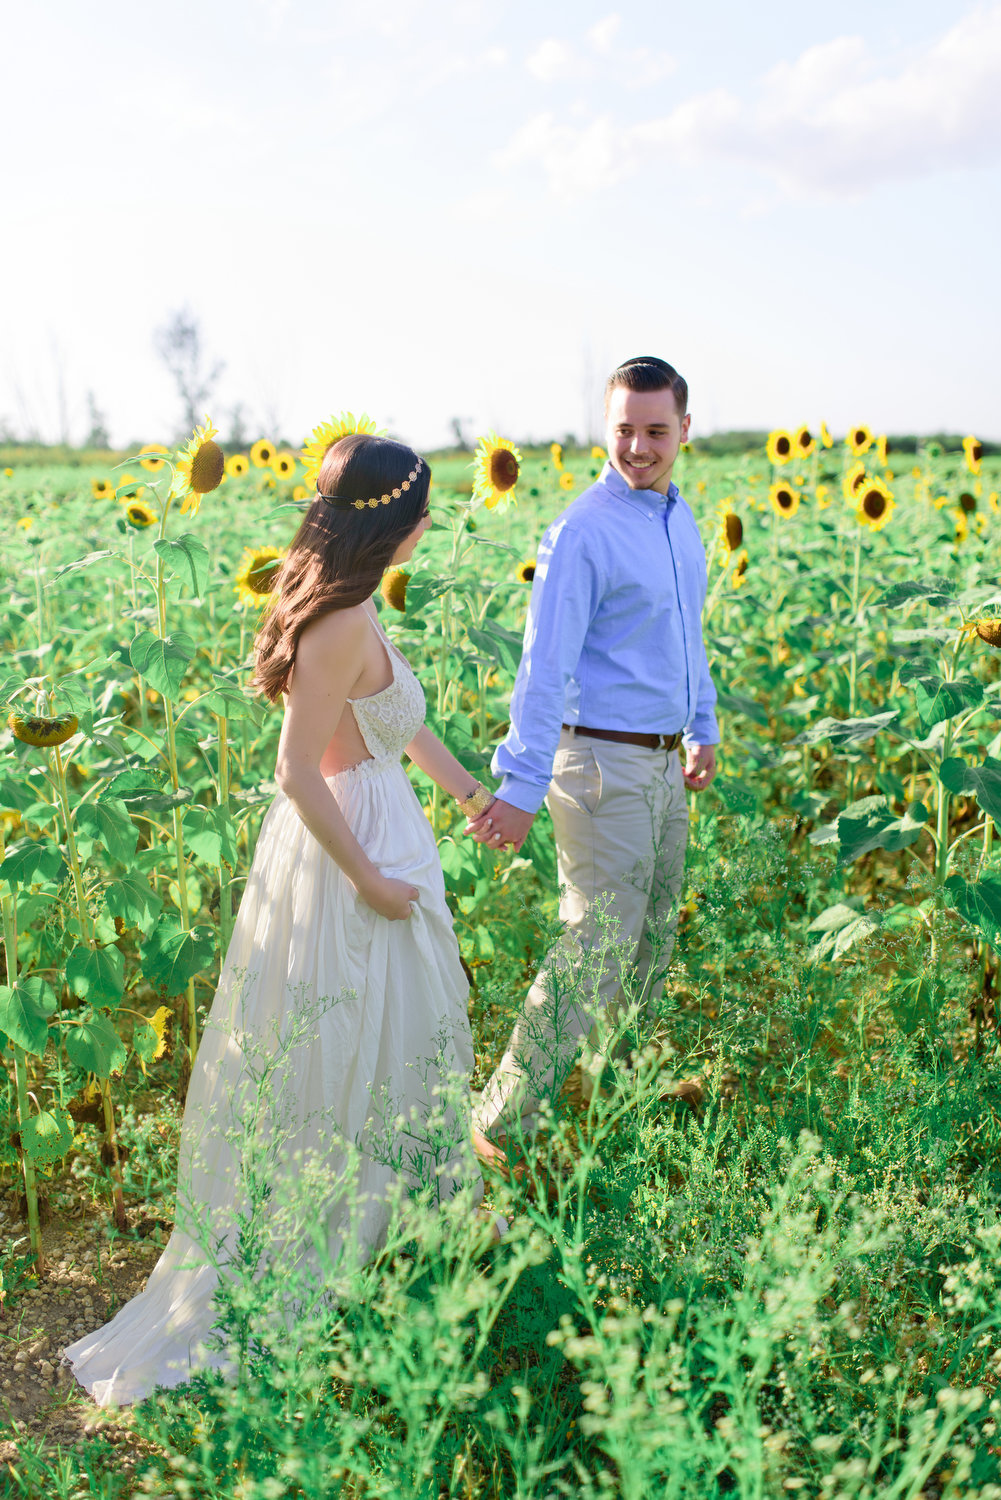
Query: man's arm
565,595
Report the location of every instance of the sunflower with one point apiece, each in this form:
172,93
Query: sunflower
779,446
151,457
102,489
330,432
825,436
598,454
962,529
933,449
785,500
859,440
823,496
300,492
42,731
803,442
25,523
394,588
882,448
739,575
994,501
974,451
732,531
875,504
255,576
556,454
967,502
129,488
498,464
853,481
140,515
237,464
262,454
567,480
284,464
200,468
987,627
8,473
525,571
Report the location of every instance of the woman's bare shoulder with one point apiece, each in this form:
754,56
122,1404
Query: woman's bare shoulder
337,629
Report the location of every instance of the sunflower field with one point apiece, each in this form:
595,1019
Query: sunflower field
786,1278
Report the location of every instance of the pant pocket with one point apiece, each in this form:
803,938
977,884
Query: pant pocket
577,777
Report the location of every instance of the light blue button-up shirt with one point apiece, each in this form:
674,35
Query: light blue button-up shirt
613,638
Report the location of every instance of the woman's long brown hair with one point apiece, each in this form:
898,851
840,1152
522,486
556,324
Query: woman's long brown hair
339,555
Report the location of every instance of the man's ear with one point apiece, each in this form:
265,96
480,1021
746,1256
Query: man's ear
685,424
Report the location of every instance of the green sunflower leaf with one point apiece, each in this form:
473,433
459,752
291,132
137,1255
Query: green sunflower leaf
932,590
95,1046
171,956
27,861
162,660
96,974
937,698
870,824
47,1137
25,1009
983,781
133,901
107,824
979,903
185,549
845,731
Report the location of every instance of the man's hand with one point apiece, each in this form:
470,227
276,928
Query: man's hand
700,766
500,825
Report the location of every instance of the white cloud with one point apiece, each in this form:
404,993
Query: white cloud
601,35
829,122
553,59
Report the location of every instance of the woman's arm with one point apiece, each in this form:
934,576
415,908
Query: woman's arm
326,667
428,752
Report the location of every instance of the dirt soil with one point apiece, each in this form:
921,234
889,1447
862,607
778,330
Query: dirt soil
91,1272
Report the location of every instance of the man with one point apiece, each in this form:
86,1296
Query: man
612,680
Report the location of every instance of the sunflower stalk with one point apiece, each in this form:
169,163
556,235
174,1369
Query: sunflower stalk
853,654
87,932
175,781
8,906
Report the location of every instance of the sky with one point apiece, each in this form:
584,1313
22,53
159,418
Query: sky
474,209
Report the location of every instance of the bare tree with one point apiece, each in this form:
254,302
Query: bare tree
97,436
179,345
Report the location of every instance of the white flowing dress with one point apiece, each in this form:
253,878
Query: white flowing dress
334,1065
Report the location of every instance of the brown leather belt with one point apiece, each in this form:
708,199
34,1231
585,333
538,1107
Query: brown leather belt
624,737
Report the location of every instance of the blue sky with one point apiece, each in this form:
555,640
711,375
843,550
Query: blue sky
474,210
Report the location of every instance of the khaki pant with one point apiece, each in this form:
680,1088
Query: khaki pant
621,823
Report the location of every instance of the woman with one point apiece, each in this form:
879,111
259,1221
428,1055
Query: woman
329,1066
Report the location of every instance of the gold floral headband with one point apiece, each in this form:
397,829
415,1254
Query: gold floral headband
379,499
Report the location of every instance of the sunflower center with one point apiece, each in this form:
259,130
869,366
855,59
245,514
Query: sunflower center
734,531
977,452
782,445
805,439
503,469
873,504
207,468
262,575
784,497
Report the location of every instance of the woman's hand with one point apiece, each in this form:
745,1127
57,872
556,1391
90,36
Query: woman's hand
390,898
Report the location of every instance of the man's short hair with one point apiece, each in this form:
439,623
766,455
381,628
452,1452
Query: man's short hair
648,373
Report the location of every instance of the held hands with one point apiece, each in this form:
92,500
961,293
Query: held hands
700,767
500,825
389,897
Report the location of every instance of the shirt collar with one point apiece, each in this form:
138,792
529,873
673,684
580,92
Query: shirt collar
644,500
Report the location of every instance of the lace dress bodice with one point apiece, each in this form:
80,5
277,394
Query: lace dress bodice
388,720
